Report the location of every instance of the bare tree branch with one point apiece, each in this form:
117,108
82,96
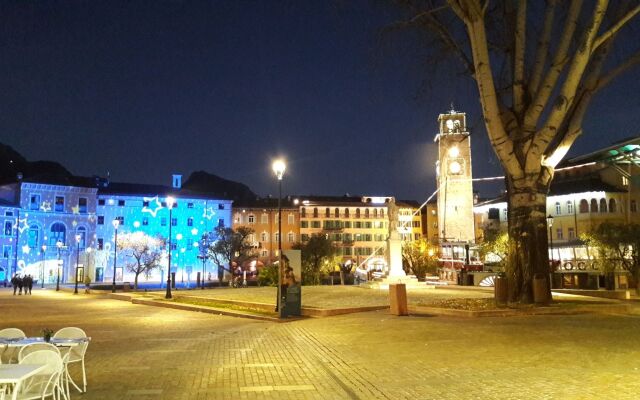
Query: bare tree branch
619,70
565,98
558,63
543,48
519,55
615,28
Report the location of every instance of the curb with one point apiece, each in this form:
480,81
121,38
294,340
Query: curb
510,312
207,310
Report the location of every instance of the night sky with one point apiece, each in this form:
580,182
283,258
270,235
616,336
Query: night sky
147,89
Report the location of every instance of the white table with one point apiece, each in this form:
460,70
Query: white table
15,374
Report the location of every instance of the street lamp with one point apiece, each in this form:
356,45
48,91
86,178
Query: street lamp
204,257
550,224
44,250
78,237
116,224
170,202
59,245
279,168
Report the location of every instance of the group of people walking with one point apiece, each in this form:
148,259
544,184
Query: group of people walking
22,282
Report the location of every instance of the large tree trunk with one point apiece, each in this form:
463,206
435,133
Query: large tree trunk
135,281
528,251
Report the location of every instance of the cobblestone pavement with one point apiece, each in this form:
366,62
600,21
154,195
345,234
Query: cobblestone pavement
142,352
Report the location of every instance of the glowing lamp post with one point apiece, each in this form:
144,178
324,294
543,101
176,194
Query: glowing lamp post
78,237
44,250
59,245
116,224
550,224
170,202
279,168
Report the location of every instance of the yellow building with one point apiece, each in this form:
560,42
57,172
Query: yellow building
359,226
262,217
586,191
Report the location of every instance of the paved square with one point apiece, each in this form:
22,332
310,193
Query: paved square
142,352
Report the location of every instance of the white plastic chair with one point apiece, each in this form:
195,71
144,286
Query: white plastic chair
76,353
47,382
10,353
30,348
3,391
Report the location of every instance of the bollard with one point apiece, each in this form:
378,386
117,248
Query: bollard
500,292
398,299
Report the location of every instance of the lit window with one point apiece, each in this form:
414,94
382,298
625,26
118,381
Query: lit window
569,207
252,219
291,219
559,234
59,204
571,233
558,208
291,237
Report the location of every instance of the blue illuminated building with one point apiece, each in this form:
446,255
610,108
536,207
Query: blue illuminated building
51,224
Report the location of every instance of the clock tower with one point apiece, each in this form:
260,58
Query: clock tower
453,176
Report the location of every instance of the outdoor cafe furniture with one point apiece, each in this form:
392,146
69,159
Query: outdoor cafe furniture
15,374
10,333
76,353
47,382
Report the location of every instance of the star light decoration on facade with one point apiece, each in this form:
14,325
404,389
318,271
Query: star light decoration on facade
22,223
208,213
45,206
152,211
26,249
75,210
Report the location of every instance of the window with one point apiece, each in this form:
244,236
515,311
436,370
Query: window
174,221
315,213
251,238
264,237
315,224
145,203
34,202
357,213
145,221
276,237
634,206
189,221
291,219
327,212
375,213
366,213
8,213
264,219
584,206
189,205
417,236
336,213
221,222
603,205
559,235
304,224
82,205
303,212
252,219
121,203
304,237
121,220
174,244
100,243
346,212
100,202
558,208
82,231
163,221
494,213
612,205
571,233
594,205
100,219
264,253
58,233
189,244
59,205
8,228
32,238
221,207
6,251
569,207
291,237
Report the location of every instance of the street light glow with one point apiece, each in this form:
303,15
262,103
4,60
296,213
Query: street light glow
278,168
170,201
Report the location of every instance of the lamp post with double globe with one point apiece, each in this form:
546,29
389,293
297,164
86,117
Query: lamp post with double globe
116,224
78,237
44,250
59,246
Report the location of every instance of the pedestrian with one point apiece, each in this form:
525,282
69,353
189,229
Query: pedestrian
29,284
14,283
20,285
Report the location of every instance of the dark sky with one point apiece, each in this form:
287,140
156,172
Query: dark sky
147,89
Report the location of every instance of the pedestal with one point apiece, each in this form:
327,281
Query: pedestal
394,251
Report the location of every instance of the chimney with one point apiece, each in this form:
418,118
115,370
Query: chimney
177,181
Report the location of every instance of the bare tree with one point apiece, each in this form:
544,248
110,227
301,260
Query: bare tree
145,250
536,71
230,246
